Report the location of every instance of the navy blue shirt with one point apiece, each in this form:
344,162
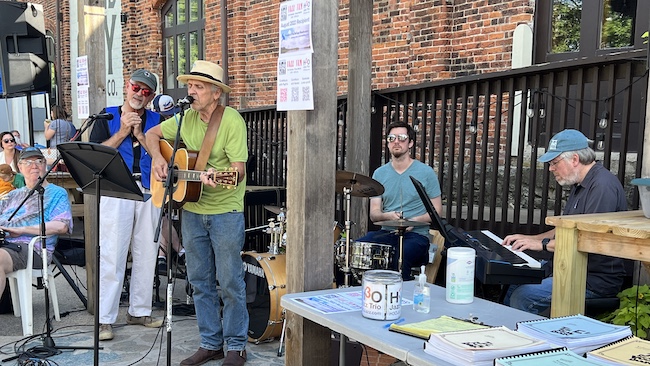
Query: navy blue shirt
600,191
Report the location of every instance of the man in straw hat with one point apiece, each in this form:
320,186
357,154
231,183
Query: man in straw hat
594,189
126,222
213,227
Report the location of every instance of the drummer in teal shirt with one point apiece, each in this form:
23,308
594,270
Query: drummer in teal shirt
400,200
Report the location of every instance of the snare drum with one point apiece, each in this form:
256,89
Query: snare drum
265,276
370,255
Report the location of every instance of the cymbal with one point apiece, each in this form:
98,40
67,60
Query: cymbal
360,185
275,209
401,223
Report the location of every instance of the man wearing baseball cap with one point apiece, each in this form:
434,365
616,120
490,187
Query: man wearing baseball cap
128,223
26,224
594,189
213,227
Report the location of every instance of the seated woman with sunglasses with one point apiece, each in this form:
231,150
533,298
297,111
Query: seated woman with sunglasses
9,154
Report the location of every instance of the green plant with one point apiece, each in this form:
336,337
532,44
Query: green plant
633,311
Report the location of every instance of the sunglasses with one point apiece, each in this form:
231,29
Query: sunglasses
137,88
6,141
400,137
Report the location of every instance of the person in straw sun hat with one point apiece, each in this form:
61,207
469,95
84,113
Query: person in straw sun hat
213,227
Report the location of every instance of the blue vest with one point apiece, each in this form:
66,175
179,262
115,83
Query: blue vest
126,147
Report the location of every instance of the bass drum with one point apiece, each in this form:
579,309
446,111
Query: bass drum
265,276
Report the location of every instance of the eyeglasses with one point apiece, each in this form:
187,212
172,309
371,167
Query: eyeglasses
6,141
137,88
400,137
555,161
32,162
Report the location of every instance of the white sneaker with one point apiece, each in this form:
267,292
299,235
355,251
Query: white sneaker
105,332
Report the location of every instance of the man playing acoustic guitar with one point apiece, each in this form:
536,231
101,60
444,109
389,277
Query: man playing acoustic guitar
213,226
125,222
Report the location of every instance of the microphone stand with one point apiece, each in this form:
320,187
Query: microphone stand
84,126
167,197
48,342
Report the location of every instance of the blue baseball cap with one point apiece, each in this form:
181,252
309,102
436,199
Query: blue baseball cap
563,141
164,104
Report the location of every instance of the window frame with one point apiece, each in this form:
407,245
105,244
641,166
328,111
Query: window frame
173,31
589,37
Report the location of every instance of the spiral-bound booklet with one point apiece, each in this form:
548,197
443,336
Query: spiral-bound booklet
481,346
578,333
628,351
558,356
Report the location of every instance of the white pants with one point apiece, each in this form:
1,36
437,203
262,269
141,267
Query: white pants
125,223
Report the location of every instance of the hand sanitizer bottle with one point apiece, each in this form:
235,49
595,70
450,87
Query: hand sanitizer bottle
421,294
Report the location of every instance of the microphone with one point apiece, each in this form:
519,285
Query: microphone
106,116
185,101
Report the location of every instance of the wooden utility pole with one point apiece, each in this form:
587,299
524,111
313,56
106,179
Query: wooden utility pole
311,190
359,97
92,43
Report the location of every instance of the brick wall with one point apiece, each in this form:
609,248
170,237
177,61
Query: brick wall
414,41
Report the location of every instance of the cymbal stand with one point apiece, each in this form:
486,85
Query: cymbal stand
277,233
346,270
284,329
282,234
400,233
273,247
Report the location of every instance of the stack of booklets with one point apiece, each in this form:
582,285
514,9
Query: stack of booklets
558,356
629,351
578,333
481,346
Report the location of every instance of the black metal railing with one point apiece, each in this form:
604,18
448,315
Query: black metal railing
482,134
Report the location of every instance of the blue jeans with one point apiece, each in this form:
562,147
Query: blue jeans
416,249
535,298
213,245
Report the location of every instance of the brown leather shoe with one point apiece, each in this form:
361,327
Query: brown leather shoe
202,356
235,358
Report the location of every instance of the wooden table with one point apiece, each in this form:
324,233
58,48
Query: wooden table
618,234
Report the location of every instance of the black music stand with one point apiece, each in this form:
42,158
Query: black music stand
99,170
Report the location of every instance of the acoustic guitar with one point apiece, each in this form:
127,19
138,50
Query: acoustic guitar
187,186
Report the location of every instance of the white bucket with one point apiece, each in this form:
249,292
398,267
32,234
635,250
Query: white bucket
460,275
382,295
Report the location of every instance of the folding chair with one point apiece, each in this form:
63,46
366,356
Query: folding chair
20,284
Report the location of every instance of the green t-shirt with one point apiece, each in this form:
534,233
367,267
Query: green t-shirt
230,147
19,180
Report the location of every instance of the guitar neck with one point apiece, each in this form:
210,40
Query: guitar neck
188,175
226,178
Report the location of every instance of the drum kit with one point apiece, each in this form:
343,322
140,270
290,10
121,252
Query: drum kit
265,273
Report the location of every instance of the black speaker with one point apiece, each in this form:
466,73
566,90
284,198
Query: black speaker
23,51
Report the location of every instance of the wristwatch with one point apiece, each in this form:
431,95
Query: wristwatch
545,242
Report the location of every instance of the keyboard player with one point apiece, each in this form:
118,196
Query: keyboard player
594,189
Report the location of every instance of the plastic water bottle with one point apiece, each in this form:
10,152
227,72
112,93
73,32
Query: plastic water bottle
421,294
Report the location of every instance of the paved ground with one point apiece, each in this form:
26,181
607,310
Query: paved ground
132,344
